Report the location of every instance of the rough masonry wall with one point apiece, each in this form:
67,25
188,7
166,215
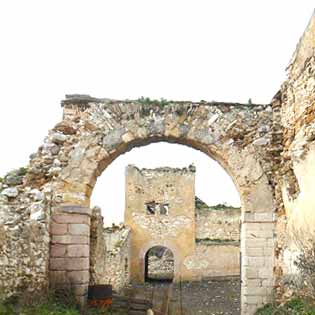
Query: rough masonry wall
117,261
297,173
24,238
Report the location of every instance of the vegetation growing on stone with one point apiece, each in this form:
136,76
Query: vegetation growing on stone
147,101
201,205
214,241
296,306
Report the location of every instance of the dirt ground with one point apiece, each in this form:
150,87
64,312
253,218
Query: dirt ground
208,297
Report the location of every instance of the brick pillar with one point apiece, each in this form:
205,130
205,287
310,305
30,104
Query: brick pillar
257,247
70,250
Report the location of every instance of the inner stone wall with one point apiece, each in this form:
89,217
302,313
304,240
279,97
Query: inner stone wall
109,253
219,222
117,261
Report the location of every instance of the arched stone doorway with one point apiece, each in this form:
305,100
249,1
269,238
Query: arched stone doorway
235,135
159,264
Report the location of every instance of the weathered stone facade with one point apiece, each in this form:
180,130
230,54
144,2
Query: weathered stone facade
268,150
296,101
160,210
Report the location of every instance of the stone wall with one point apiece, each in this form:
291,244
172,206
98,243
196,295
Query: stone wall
218,223
217,241
117,261
94,132
24,238
297,173
219,259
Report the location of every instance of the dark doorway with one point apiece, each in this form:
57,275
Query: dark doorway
159,264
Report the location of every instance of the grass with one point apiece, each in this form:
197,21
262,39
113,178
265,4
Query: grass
50,306
296,306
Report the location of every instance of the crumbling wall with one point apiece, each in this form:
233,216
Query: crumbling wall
24,237
117,260
297,172
218,223
97,247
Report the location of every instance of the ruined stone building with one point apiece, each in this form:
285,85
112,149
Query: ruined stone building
160,211
267,149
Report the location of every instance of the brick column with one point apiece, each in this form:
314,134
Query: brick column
257,247
70,250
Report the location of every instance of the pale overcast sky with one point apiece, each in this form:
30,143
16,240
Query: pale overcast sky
223,50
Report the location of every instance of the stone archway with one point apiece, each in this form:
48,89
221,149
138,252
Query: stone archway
159,269
98,131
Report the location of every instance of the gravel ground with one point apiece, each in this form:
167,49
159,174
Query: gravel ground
208,297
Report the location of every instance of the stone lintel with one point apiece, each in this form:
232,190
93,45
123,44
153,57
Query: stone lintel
75,209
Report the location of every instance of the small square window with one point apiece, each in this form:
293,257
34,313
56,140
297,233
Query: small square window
151,208
164,209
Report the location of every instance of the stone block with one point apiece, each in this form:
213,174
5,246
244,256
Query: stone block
255,252
250,272
75,263
70,239
78,250
77,277
58,229
256,291
58,278
71,218
79,229
58,250
57,264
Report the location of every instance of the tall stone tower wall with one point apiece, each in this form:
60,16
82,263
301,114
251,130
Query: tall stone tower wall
160,210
